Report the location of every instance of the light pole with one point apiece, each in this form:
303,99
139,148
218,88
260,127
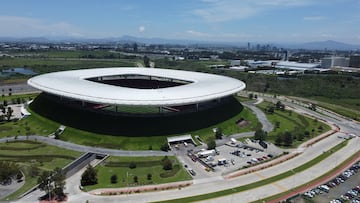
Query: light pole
49,182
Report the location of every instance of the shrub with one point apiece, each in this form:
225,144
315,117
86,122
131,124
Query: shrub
114,179
132,165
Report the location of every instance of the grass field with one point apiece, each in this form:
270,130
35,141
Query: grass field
346,107
119,166
294,123
45,65
34,124
37,124
31,155
266,181
22,97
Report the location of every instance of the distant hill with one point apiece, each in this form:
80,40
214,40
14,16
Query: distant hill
321,45
329,45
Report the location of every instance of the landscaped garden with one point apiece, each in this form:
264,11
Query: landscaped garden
290,128
117,172
33,158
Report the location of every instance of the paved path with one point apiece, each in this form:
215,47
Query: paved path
261,192
6,190
205,187
266,124
82,148
318,182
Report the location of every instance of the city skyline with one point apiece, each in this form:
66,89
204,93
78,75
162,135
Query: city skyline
286,21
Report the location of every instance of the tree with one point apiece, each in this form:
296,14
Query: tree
53,182
149,176
9,171
320,128
167,163
136,179
277,124
165,147
279,139
59,182
288,139
300,136
211,144
113,179
89,177
146,61
9,113
218,133
260,135
280,106
44,182
132,165
271,109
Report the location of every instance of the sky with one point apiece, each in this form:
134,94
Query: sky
286,21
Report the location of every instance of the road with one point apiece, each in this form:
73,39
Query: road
82,148
217,184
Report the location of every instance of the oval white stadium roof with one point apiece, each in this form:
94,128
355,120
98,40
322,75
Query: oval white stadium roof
73,84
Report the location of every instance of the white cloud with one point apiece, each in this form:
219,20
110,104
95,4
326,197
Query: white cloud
226,10
197,34
314,18
21,26
142,28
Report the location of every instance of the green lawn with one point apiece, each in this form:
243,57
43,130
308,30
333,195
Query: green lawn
45,65
30,155
294,123
34,124
229,127
142,143
13,98
37,124
119,166
346,107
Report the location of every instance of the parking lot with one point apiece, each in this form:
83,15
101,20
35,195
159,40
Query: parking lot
344,188
203,163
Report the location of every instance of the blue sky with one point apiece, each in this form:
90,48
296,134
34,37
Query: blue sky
209,20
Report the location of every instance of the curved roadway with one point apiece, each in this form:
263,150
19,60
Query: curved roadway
346,126
82,148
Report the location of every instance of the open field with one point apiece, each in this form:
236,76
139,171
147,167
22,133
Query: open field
346,107
33,158
45,65
119,166
296,124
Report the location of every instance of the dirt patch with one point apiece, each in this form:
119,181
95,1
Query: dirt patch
242,123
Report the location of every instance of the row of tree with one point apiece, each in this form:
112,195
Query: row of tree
53,183
6,113
8,172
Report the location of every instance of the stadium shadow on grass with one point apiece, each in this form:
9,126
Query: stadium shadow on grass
132,125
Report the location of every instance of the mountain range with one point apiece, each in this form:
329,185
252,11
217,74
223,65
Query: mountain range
318,45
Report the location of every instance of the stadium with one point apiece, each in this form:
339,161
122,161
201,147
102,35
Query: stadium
136,101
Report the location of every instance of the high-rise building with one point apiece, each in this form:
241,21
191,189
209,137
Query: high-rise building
355,61
332,61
